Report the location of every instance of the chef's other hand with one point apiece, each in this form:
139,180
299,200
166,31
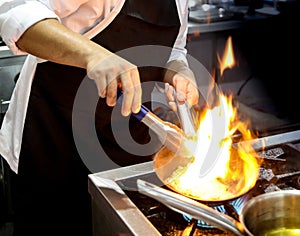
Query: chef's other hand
180,78
113,72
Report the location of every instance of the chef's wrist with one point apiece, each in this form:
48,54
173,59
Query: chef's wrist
177,66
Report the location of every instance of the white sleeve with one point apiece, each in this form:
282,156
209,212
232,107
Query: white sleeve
19,17
179,50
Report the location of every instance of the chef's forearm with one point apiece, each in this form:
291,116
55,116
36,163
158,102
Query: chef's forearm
177,66
48,39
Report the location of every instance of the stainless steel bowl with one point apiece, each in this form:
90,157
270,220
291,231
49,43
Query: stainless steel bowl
274,213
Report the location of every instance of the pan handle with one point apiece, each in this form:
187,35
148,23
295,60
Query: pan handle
169,134
185,205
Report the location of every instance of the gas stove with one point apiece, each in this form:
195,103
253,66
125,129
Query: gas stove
119,209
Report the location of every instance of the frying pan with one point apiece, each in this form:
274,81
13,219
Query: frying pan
174,157
169,165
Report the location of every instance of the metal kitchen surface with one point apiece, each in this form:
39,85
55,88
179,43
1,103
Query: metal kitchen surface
119,209
10,67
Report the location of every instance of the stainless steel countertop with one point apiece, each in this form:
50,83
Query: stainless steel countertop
194,27
5,52
7,58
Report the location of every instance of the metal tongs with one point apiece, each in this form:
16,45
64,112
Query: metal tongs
185,117
169,134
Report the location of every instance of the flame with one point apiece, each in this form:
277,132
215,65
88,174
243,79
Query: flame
232,170
228,60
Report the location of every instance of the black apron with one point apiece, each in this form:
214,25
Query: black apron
52,196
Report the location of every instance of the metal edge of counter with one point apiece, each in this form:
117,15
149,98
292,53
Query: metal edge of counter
113,212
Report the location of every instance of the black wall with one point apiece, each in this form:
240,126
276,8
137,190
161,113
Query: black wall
272,49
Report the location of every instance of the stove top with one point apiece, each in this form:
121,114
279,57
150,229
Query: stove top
116,199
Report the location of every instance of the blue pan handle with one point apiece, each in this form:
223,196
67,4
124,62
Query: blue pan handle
141,114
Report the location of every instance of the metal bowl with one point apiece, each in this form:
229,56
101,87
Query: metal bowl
274,213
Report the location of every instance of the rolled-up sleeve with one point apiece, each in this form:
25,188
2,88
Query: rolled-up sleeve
15,21
179,49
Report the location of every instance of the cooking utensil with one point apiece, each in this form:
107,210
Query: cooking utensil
170,167
169,134
185,118
273,213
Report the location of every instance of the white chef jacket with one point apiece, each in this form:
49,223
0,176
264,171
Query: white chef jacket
87,17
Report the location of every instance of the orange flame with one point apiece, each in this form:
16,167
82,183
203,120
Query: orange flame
235,169
228,60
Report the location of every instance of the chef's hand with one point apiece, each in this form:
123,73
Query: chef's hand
113,72
180,78
69,48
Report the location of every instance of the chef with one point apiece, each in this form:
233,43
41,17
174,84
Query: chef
70,43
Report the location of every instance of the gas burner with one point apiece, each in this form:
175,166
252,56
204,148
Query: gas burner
206,13
231,208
